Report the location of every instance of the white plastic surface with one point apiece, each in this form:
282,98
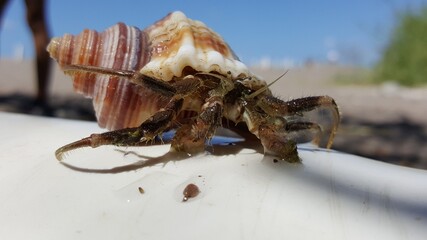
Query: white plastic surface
243,195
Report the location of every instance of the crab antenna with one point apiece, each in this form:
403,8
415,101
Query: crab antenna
72,68
261,90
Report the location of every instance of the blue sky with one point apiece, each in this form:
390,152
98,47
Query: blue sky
275,32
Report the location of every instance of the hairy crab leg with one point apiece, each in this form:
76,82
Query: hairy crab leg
277,107
278,140
271,131
93,141
277,135
191,138
147,131
278,145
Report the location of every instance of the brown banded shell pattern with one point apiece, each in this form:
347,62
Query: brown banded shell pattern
161,51
118,103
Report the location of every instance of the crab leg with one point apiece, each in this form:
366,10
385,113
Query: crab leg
270,132
147,131
277,107
278,145
276,134
190,138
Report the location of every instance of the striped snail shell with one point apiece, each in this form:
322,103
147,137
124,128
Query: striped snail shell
162,51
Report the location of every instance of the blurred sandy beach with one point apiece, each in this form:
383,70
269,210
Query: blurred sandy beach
386,122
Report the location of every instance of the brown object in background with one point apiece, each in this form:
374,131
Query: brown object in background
37,22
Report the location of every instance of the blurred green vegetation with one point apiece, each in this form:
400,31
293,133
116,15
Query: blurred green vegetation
404,59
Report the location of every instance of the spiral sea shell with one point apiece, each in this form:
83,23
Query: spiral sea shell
166,51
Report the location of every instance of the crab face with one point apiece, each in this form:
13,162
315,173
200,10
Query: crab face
178,71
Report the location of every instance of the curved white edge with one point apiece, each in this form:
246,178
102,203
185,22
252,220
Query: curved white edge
244,195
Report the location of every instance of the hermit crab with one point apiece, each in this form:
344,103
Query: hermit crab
179,74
